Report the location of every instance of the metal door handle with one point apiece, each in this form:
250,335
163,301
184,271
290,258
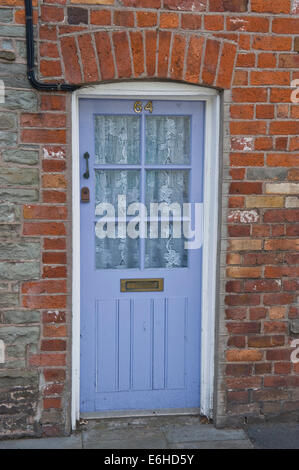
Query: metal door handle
86,174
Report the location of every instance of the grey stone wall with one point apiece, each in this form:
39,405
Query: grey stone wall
19,255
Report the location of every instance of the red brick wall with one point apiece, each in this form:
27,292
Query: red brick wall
248,48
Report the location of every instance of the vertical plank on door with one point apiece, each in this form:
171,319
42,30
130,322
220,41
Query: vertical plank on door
124,349
141,345
176,334
107,345
158,344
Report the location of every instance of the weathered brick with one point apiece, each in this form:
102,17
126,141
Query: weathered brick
247,23
185,5
268,6
282,188
242,299
77,15
164,53
53,345
272,43
246,188
169,20
266,341
245,245
264,201
291,244
51,403
122,53
54,375
243,272
150,52
42,287
104,50
137,52
100,17
43,136
44,228
229,5
177,58
210,61
245,355
192,22
51,14
226,66
146,19
194,59
71,63
88,57
44,360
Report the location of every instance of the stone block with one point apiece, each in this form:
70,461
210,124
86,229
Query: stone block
8,299
19,99
19,271
7,120
19,334
22,156
267,174
19,251
294,327
13,31
18,177
21,316
6,15
7,138
9,230
9,213
18,378
10,56
18,195
292,202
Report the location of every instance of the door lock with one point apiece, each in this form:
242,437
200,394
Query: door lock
85,194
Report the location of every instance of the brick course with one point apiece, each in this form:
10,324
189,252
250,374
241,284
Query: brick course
245,48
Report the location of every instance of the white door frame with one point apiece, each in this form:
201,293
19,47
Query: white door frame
165,91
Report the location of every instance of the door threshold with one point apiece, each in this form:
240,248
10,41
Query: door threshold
140,413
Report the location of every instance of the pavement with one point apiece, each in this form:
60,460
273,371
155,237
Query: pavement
165,432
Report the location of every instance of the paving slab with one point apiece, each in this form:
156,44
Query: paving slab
274,436
230,444
123,438
71,442
150,442
201,432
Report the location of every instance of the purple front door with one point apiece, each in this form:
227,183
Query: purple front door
140,295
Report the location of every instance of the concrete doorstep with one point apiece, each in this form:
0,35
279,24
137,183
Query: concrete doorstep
163,432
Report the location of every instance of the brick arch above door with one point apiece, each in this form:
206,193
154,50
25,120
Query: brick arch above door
93,57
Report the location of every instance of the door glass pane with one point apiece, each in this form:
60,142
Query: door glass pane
117,253
117,139
112,183
168,140
165,252
167,186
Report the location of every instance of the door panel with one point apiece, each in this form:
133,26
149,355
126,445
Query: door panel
140,350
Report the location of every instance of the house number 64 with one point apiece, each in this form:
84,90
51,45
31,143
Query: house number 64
147,107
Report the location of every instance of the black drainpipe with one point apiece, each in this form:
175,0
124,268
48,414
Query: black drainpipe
30,58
